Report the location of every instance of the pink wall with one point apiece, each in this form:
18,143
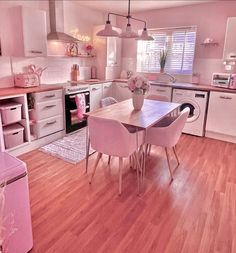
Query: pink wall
210,19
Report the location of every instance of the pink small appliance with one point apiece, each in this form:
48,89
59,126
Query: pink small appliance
27,80
14,198
232,83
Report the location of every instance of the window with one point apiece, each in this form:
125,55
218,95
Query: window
180,45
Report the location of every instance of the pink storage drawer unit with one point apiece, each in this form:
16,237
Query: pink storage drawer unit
13,135
17,233
10,112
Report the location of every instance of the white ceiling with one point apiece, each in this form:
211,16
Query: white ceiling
121,6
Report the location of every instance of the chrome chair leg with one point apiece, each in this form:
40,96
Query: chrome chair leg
120,174
87,153
109,160
95,166
168,161
177,159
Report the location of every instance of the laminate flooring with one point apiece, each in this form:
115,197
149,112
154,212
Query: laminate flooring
196,213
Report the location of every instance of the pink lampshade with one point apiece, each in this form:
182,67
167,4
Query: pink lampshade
108,31
145,36
128,33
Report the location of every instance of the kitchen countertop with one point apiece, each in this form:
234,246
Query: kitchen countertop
11,91
191,86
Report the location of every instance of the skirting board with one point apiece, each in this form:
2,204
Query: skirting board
37,143
222,137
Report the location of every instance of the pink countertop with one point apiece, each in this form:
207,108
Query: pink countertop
191,86
11,91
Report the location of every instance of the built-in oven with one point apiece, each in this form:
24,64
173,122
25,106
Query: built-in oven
73,123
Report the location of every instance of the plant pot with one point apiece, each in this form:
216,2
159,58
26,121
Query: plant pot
137,99
162,70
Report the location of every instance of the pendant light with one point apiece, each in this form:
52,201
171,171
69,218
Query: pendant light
128,33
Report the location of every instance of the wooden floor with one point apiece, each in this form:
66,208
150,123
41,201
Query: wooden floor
196,213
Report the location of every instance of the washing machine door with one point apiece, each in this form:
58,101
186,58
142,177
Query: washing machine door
194,109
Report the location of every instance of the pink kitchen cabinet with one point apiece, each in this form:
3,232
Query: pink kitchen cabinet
23,32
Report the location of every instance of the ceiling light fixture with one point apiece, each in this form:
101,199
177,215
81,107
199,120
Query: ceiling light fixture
108,31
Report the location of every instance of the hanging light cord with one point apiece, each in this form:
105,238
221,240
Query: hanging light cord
128,17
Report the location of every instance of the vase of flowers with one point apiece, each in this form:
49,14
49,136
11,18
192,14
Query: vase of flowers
162,60
139,86
89,49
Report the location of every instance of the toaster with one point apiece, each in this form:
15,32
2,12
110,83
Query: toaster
27,80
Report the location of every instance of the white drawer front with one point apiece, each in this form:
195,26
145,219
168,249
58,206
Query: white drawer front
49,126
48,95
161,90
48,109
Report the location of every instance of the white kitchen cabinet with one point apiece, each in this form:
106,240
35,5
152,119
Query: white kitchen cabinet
23,32
121,91
161,90
221,117
230,40
108,53
113,51
47,115
95,96
107,90
24,121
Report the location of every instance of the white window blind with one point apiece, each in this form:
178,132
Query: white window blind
180,45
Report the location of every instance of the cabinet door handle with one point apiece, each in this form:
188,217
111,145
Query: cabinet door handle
36,52
50,96
123,86
49,106
50,123
160,90
225,97
95,88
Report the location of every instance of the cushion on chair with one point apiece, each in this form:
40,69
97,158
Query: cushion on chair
108,101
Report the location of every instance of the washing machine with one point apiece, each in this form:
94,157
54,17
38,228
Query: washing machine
196,101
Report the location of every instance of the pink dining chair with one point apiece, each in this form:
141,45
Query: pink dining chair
166,133
106,102
158,97
110,137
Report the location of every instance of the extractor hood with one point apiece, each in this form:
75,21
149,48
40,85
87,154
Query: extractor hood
56,15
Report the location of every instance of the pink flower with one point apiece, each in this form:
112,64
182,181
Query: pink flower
138,82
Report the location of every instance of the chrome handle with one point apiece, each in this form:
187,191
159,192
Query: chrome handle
50,123
225,97
50,96
86,94
95,89
49,106
36,52
160,90
123,86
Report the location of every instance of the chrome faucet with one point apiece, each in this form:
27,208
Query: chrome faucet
172,78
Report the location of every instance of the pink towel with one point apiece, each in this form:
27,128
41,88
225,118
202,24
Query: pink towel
81,105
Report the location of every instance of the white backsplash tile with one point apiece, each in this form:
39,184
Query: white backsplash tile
6,79
57,68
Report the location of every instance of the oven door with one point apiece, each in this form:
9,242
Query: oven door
73,123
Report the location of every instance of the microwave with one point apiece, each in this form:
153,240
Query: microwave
224,80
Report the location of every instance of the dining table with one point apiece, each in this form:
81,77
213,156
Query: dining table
150,114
